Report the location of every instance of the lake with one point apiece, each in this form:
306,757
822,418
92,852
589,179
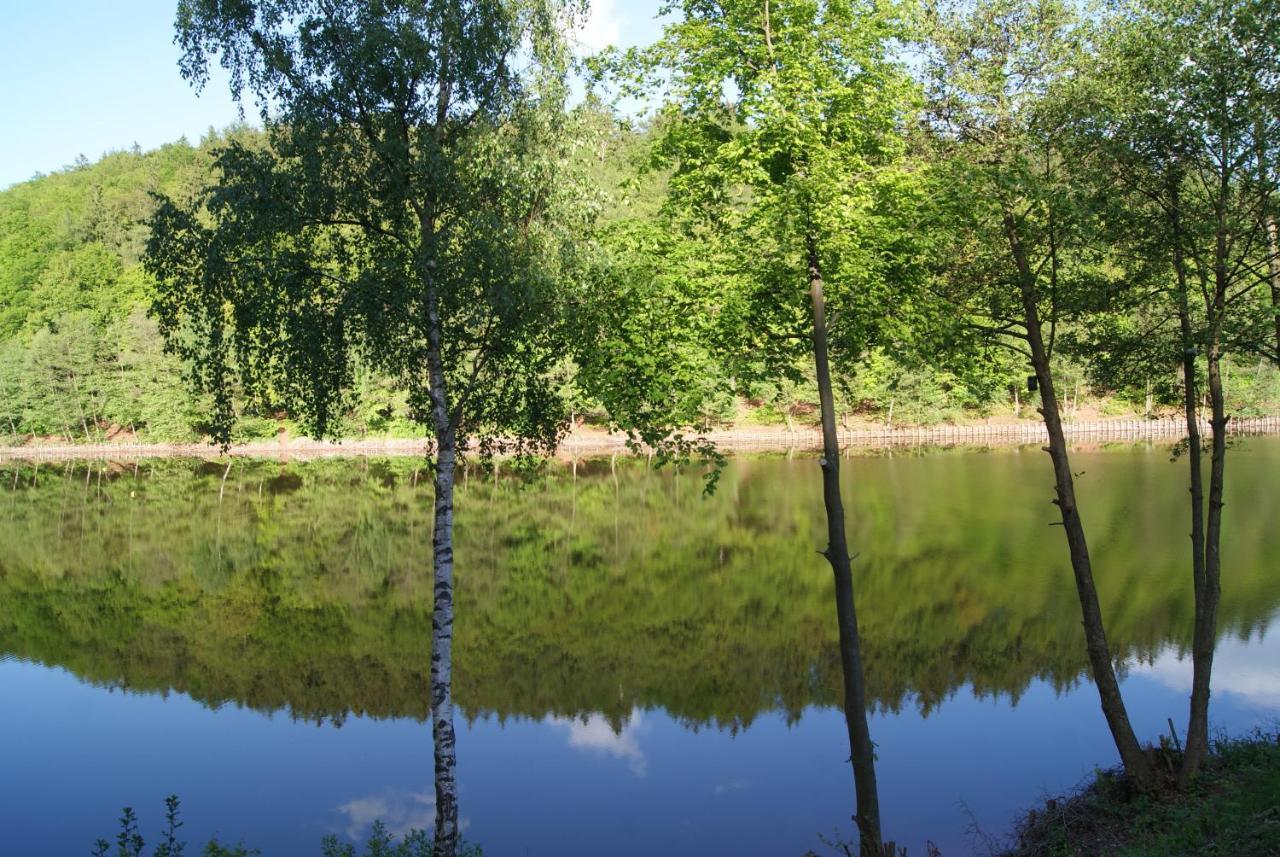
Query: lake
640,669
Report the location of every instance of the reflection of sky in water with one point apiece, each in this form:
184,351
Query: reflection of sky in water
400,811
634,781
1247,670
74,754
593,733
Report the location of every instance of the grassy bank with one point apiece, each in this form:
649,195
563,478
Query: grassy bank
1233,808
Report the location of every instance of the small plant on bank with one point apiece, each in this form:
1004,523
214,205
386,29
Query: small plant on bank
381,843
129,841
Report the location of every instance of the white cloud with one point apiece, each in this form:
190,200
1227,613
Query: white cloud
1244,669
595,735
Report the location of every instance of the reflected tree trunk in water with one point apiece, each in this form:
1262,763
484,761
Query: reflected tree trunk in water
861,748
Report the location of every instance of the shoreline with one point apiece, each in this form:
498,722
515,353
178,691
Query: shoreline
737,440
1230,809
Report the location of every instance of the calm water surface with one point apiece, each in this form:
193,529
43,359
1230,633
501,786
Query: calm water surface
640,670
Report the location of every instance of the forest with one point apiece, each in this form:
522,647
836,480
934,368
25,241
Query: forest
82,358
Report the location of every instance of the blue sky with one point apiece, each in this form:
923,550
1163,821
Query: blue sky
86,77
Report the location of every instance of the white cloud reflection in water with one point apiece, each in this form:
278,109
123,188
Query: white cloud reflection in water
1248,670
400,810
596,735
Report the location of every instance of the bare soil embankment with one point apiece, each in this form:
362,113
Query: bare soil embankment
586,441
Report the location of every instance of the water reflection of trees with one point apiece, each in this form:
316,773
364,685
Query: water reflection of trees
301,585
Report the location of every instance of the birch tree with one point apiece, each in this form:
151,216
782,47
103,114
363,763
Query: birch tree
412,210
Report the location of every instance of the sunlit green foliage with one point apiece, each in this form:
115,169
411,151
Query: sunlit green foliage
70,242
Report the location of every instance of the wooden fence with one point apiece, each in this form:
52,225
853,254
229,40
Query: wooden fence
993,434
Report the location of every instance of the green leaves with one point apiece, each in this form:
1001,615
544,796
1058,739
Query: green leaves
782,128
413,212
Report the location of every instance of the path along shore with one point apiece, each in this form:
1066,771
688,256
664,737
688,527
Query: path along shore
583,443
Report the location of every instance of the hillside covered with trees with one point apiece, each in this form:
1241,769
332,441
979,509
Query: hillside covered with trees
82,360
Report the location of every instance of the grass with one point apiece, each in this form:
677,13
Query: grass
1232,808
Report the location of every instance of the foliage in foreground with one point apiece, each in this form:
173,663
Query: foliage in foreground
1232,808
381,843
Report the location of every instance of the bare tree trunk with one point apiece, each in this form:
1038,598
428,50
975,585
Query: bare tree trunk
442,731
1197,724
1209,584
1273,234
1135,761
446,426
1273,266
861,748
84,422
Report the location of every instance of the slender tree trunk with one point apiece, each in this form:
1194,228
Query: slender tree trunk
84,422
1135,761
1197,727
1273,233
1208,586
442,732
1273,267
861,748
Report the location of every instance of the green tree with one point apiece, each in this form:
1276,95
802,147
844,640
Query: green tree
1186,107
1019,255
783,139
412,207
